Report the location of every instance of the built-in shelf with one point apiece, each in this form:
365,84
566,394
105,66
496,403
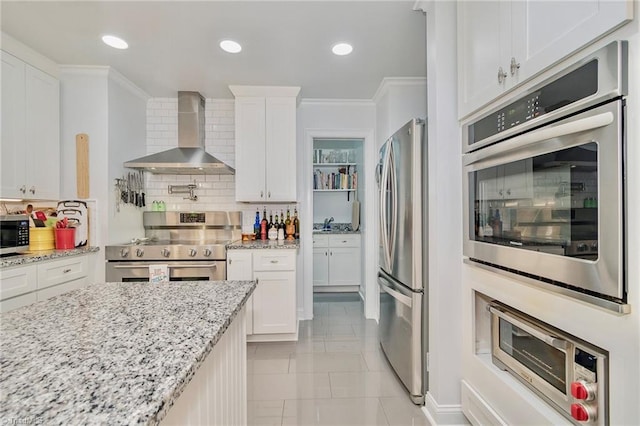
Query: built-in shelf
333,190
334,164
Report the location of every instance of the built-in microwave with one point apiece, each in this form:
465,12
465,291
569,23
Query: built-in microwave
545,182
567,372
14,233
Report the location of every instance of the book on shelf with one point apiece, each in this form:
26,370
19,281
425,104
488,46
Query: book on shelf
332,181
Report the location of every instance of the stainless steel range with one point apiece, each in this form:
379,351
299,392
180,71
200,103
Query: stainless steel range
191,244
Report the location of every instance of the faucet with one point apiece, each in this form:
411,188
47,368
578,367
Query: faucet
327,223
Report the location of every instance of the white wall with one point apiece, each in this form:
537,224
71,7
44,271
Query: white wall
90,97
336,119
398,100
445,216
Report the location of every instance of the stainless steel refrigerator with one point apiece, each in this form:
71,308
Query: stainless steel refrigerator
402,273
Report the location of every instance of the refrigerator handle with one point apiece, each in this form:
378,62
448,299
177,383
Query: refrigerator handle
384,236
394,206
405,300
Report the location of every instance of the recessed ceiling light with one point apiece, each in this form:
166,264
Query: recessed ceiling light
114,41
230,46
342,49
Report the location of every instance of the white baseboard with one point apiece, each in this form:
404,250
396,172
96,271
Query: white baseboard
443,414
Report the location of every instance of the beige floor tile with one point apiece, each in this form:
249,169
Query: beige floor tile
367,328
288,386
280,348
326,362
265,413
401,411
364,384
269,363
376,361
338,412
351,345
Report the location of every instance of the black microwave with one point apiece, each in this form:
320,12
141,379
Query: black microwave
14,233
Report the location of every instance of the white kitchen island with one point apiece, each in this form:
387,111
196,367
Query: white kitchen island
128,353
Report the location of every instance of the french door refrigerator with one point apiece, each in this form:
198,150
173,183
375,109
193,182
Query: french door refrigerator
402,273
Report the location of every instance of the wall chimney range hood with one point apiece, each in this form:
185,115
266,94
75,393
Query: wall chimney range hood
189,158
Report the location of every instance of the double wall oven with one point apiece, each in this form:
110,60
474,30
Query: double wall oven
545,182
192,246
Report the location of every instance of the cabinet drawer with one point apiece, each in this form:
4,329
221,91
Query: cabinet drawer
344,240
17,281
17,302
320,241
274,260
55,290
61,271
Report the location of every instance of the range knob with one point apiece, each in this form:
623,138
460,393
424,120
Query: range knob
124,252
192,252
165,252
583,391
139,252
207,252
583,412
582,247
594,246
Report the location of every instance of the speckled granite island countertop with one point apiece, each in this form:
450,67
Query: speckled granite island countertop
111,353
267,244
39,256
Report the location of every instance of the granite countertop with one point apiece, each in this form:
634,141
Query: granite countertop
111,353
335,228
266,244
42,255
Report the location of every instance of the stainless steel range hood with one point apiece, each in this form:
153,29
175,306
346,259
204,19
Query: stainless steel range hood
189,158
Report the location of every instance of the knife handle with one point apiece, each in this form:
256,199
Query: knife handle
142,202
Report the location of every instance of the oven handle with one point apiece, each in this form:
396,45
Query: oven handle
531,329
146,266
539,135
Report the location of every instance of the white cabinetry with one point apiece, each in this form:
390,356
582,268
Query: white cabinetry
503,43
336,260
271,311
265,124
30,146
23,285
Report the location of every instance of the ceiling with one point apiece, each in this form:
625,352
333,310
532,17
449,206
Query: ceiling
173,45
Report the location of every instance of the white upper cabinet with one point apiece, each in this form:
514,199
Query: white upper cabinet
504,43
30,146
265,134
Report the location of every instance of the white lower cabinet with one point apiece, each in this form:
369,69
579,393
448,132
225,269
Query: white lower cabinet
336,260
23,285
271,310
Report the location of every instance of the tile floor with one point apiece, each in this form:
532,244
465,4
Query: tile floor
335,374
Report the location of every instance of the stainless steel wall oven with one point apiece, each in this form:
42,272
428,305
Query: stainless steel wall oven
545,185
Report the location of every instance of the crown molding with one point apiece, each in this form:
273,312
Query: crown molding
389,82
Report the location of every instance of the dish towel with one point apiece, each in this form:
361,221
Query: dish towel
159,273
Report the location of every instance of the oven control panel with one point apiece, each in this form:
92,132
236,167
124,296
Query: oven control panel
192,218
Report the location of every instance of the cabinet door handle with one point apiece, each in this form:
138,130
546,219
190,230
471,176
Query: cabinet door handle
23,189
326,254
274,261
66,271
269,194
515,66
261,194
32,189
230,261
344,241
502,76
509,191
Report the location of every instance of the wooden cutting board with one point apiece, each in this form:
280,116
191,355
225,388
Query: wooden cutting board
82,165
355,213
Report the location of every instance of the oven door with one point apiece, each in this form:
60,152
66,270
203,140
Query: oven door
541,359
549,203
178,271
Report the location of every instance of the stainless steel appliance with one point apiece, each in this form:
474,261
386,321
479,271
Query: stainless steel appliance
569,373
14,233
189,157
545,187
402,274
191,244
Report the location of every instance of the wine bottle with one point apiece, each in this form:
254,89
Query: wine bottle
276,223
271,219
281,220
296,224
263,225
256,225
